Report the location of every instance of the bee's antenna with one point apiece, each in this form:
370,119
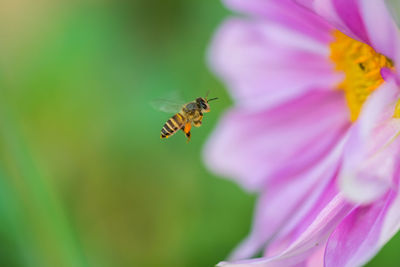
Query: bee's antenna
207,94
215,98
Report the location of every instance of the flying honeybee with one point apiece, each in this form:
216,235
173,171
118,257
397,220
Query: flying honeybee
189,113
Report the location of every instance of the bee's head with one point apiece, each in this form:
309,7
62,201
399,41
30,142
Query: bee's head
203,103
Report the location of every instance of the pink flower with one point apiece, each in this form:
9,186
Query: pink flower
314,128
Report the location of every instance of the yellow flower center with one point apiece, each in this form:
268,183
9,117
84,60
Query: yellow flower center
361,65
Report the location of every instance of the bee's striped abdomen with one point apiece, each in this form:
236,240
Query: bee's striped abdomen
174,124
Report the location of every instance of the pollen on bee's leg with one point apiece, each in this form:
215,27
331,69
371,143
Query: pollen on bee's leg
187,128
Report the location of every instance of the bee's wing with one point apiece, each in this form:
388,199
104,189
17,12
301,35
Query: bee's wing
169,106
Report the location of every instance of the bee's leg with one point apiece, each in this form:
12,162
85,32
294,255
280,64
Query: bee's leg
197,123
186,129
188,137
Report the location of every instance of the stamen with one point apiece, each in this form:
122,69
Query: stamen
361,65
397,110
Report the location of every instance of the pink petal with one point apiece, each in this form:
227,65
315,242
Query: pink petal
316,258
309,237
373,148
265,64
363,232
286,13
299,195
391,223
257,147
343,15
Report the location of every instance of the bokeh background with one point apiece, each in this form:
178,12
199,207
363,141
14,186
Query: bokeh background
84,178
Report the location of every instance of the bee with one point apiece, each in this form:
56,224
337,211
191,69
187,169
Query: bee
190,113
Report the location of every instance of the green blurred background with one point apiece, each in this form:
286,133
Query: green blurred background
84,178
